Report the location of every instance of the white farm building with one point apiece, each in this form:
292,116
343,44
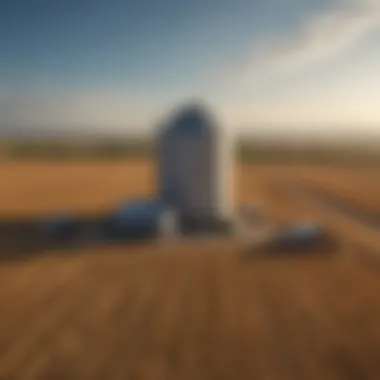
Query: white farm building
196,169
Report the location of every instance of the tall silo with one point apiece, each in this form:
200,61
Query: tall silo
196,168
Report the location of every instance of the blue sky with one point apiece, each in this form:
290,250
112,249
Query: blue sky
114,64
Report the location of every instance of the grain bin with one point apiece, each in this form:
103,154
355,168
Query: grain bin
196,168
134,220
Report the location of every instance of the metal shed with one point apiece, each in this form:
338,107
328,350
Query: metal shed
134,219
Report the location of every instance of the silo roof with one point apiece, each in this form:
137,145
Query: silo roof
193,119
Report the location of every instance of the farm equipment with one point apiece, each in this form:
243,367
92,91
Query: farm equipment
301,239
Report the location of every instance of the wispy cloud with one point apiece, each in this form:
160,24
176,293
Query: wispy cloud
320,36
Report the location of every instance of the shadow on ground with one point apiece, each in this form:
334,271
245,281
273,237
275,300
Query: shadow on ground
25,239
318,249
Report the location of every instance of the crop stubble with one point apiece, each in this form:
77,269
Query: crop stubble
179,311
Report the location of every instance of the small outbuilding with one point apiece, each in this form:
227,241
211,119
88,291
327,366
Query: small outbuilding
134,220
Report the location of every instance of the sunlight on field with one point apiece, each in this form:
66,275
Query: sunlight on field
180,310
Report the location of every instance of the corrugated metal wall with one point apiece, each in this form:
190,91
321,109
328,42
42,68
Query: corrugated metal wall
195,176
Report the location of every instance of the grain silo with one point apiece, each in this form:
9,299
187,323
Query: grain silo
196,168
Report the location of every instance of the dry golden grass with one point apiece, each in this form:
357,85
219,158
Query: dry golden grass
177,311
35,189
30,189
359,186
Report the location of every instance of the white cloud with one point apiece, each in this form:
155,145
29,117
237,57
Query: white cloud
320,36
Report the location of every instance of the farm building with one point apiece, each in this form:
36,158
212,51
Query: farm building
196,169
142,219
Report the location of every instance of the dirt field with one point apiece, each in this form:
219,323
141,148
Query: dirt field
189,311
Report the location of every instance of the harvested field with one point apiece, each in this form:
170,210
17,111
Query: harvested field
33,189
359,186
178,311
